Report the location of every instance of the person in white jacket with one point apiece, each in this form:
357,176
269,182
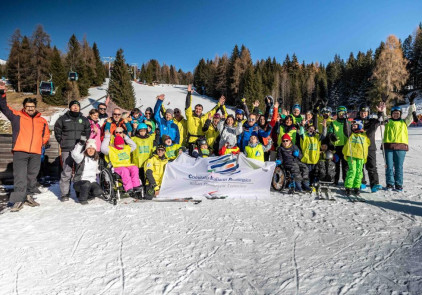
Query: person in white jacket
85,179
228,131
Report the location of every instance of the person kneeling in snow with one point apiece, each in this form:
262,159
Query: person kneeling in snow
325,170
85,179
154,171
355,151
289,155
119,155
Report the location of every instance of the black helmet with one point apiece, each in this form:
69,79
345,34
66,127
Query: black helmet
201,141
329,155
364,108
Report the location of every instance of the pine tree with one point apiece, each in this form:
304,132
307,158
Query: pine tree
174,77
99,67
220,78
40,53
59,79
14,67
120,87
390,72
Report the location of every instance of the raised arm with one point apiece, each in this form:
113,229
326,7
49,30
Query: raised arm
130,142
157,107
77,153
105,149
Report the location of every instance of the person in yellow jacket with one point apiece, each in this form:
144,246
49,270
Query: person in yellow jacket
182,125
172,149
212,132
255,149
310,144
145,145
119,155
395,144
355,152
154,171
287,126
196,119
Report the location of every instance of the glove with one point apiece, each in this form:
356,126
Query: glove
278,162
156,188
296,153
333,137
336,158
82,140
412,98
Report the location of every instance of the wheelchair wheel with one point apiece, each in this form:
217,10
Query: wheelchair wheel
279,179
107,184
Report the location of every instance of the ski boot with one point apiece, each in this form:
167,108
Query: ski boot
389,187
363,186
376,188
398,188
348,192
64,198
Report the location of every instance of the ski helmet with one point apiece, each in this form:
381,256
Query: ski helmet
142,126
239,111
358,123
364,108
396,108
329,155
201,141
341,109
326,110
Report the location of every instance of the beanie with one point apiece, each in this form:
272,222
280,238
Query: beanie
170,111
118,140
90,143
286,136
74,102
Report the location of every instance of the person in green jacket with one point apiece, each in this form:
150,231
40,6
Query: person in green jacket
338,138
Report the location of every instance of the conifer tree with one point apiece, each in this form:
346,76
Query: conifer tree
40,53
59,79
120,87
14,62
99,67
27,68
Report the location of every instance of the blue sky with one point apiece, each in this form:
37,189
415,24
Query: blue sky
182,32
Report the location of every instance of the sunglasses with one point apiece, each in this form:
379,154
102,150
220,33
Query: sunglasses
177,112
117,114
118,132
102,109
147,113
286,140
251,120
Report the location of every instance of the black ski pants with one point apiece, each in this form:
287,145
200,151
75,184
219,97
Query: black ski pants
85,188
25,170
343,163
371,167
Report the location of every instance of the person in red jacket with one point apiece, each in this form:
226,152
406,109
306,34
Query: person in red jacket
30,133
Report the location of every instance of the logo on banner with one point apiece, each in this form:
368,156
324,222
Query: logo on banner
226,165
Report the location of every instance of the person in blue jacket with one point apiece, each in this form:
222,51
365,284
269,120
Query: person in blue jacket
248,127
166,125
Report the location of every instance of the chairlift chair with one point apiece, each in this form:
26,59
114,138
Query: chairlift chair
73,76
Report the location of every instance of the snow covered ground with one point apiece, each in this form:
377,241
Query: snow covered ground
284,245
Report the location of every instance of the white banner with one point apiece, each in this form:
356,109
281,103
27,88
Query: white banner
230,175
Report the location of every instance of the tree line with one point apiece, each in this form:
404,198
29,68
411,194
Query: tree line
388,73
152,71
32,60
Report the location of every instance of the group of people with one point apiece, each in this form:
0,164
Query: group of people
312,146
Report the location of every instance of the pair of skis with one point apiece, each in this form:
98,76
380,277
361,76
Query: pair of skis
176,200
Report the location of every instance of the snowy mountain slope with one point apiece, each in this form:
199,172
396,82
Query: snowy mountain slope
2,62
284,245
145,97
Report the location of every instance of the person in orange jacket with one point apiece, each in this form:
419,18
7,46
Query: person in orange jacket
30,133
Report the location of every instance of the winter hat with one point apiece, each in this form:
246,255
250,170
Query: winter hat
217,116
296,106
118,140
161,147
74,102
170,111
90,143
165,137
286,136
255,134
359,124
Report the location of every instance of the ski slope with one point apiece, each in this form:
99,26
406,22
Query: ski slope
282,245
145,97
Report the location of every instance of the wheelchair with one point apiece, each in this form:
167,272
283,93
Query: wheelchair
110,182
282,179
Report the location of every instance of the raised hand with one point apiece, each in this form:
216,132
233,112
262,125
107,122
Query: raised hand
222,100
381,106
255,104
161,97
209,116
276,104
190,88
